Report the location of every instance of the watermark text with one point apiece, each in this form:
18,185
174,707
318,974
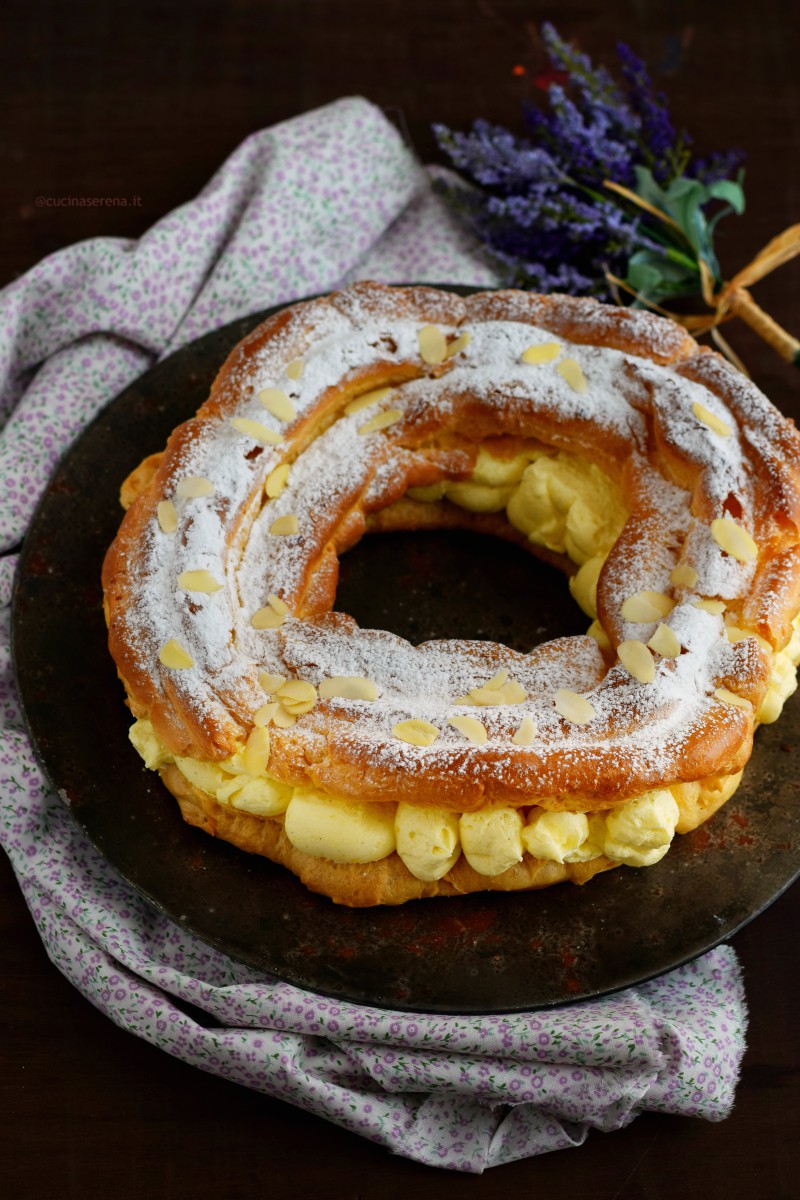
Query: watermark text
88,201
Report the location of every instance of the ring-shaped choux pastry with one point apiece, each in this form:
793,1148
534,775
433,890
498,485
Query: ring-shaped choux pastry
604,440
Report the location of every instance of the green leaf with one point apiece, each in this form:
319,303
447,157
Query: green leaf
666,267
731,192
685,200
680,187
655,277
682,201
648,189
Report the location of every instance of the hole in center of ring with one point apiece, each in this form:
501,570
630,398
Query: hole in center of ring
456,584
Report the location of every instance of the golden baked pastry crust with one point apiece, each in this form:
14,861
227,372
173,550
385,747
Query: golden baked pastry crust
444,415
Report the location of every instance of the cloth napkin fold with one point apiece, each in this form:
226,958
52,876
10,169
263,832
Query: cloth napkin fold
318,201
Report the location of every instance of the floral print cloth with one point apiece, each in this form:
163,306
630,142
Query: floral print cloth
329,197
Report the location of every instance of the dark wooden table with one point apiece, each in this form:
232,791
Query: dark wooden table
146,100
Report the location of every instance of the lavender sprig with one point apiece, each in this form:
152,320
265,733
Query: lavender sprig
664,151
542,205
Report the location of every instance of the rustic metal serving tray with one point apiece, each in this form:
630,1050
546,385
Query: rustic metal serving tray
480,953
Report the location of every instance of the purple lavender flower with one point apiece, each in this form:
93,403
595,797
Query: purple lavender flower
722,164
540,205
497,158
588,145
551,236
660,143
595,84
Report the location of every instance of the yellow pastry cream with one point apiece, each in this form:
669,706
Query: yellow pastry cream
560,501
571,507
430,840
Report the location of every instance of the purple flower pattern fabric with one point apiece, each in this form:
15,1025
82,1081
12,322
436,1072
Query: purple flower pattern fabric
329,197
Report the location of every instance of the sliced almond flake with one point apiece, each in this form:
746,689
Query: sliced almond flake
731,698
276,481
256,752
279,605
665,642
643,607
734,539
510,693
471,728
513,692
284,526
416,732
283,719
276,401
264,715
172,654
498,680
193,486
484,696
526,732
270,683
432,345
198,581
298,707
684,576
543,353
295,368
381,420
298,696
458,344
348,687
574,707
714,423
297,689
368,398
256,431
267,618
167,516
710,606
571,370
637,660
736,634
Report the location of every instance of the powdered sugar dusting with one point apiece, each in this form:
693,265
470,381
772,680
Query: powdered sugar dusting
628,400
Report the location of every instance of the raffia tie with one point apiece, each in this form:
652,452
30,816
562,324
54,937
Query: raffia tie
733,299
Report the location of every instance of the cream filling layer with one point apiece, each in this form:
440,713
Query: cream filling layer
428,840
558,500
569,506
783,675
572,507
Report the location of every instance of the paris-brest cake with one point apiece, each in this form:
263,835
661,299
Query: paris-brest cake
604,440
